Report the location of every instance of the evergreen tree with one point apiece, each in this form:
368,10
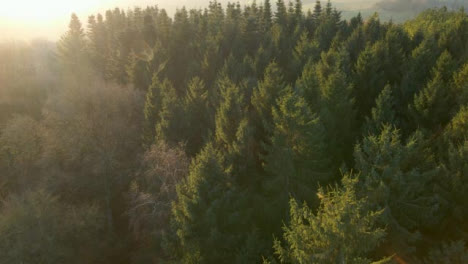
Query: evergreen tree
281,15
72,46
264,97
398,178
461,85
382,114
434,104
336,106
152,108
267,16
453,153
344,230
370,77
138,73
199,116
317,13
296,160
172,119
97,46
209,224
149,31
229,114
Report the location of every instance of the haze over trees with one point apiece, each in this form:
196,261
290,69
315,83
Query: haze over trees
237,134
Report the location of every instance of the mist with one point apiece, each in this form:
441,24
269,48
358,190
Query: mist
418,5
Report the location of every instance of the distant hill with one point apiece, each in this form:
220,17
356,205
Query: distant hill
397,10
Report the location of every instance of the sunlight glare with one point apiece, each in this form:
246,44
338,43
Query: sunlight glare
42,11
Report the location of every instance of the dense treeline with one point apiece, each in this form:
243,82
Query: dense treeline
238,135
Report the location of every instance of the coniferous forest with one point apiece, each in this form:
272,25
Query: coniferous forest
262,133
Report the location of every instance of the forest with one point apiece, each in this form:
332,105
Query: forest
261,133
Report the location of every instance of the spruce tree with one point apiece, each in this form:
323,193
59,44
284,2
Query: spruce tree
72,46
199,116
229,114
296,159
461,85
398,177
267,16
138,73
382,114
281,14
210,216
337,114
172,119
343,230
151,110
265,95
370,77
453,153
434,105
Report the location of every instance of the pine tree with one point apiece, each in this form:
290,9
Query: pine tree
229,114
138,73
149,31
344,230
209,223
336,107
461,85
267,16
398,177
97,46
382,114
296,159
199,116
305,50
152,108
172,119
281,14
370,78
308,85
328,8
434,105
317,13
264,97
298,10
72,46
453,153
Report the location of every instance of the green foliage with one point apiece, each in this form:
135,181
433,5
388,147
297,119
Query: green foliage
269,107
296,162
434,104
153,105
382,114
343,230
461,85
229,113
199,115
338,116
453,149
171,125
264,97
398,178
209,224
